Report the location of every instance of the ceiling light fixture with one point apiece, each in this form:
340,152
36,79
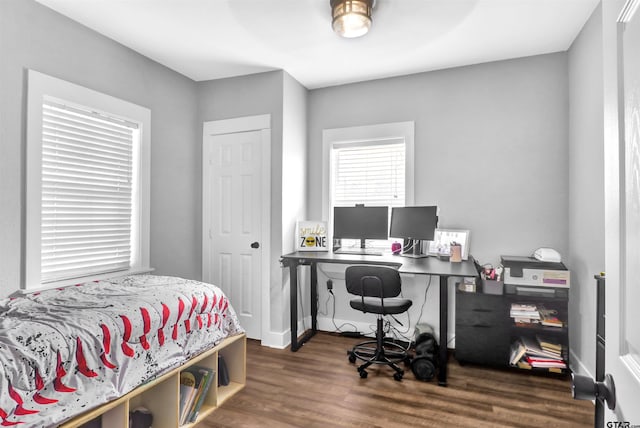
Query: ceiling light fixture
351,18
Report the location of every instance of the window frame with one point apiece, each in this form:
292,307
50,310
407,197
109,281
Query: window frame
40,86
362,135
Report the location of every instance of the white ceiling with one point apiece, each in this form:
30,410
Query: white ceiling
212,39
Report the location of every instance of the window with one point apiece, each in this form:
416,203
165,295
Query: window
87,184
370,165
368,172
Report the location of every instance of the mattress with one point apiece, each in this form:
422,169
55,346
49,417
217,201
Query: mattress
64,351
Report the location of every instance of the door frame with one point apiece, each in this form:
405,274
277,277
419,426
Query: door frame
614,197
260,123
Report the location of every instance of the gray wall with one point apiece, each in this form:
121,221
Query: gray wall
490,150
247,96
34,37
586,188
278,94
294,186
490,146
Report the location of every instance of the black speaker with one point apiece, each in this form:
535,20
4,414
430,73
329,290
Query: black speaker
425,362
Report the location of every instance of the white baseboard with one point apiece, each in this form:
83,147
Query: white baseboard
281,340
366,328
578,367
278,340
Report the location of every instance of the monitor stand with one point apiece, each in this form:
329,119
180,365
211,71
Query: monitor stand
363,251
416,250
358,251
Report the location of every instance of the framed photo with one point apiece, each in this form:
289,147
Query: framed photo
442,239
311,236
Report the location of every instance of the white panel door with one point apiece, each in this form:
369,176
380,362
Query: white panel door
623,317
232,179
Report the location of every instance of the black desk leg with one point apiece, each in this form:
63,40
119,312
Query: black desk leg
293,309
444,317
314,298
293,293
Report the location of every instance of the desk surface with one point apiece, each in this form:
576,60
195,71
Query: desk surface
419,266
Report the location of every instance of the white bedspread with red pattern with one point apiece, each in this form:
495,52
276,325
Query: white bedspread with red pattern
64,351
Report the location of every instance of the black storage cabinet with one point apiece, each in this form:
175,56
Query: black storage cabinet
482,329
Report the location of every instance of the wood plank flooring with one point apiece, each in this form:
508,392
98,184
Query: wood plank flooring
318,387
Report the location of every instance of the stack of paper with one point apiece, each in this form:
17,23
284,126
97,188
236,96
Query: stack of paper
524,313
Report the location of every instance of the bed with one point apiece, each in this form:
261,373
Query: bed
64,351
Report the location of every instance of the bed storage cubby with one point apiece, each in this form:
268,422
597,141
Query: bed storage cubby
161,395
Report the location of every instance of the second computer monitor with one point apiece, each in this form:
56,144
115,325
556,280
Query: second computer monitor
414,223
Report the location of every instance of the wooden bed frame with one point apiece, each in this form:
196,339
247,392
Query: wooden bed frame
161,395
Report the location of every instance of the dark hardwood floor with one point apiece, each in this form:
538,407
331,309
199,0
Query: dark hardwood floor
318,387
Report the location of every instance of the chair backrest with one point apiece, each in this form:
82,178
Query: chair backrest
373,281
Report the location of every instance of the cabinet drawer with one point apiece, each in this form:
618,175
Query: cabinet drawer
482,345
479,301
481,310
481,318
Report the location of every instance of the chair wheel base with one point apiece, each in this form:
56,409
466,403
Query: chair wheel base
386,353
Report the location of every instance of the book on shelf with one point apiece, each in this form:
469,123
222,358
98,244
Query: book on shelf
524,306
187,392
525,314
552,321
523,311
549,317
202,393
522,364
518,351
553,365
521,320
548,344
546,363
553,354
535,350
194,378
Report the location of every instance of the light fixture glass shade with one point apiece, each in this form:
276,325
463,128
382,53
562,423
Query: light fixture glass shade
351,18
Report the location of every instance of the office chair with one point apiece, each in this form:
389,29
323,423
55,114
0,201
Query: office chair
378,288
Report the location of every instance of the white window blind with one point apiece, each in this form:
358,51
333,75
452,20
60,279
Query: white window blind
87,192
372,173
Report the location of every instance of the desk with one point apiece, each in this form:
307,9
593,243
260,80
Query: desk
421,266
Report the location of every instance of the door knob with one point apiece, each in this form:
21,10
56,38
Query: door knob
255,244
585,388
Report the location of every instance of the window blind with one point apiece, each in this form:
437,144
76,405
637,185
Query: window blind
370,173
87,192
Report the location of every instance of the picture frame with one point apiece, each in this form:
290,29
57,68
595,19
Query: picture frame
311,235
442,239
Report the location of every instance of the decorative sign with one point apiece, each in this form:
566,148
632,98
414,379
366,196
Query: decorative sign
311,236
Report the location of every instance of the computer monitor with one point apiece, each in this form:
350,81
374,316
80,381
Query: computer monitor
361,223
414,224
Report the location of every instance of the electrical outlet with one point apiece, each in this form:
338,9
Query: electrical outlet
329,284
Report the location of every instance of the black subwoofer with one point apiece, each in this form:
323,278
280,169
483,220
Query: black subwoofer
424,364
